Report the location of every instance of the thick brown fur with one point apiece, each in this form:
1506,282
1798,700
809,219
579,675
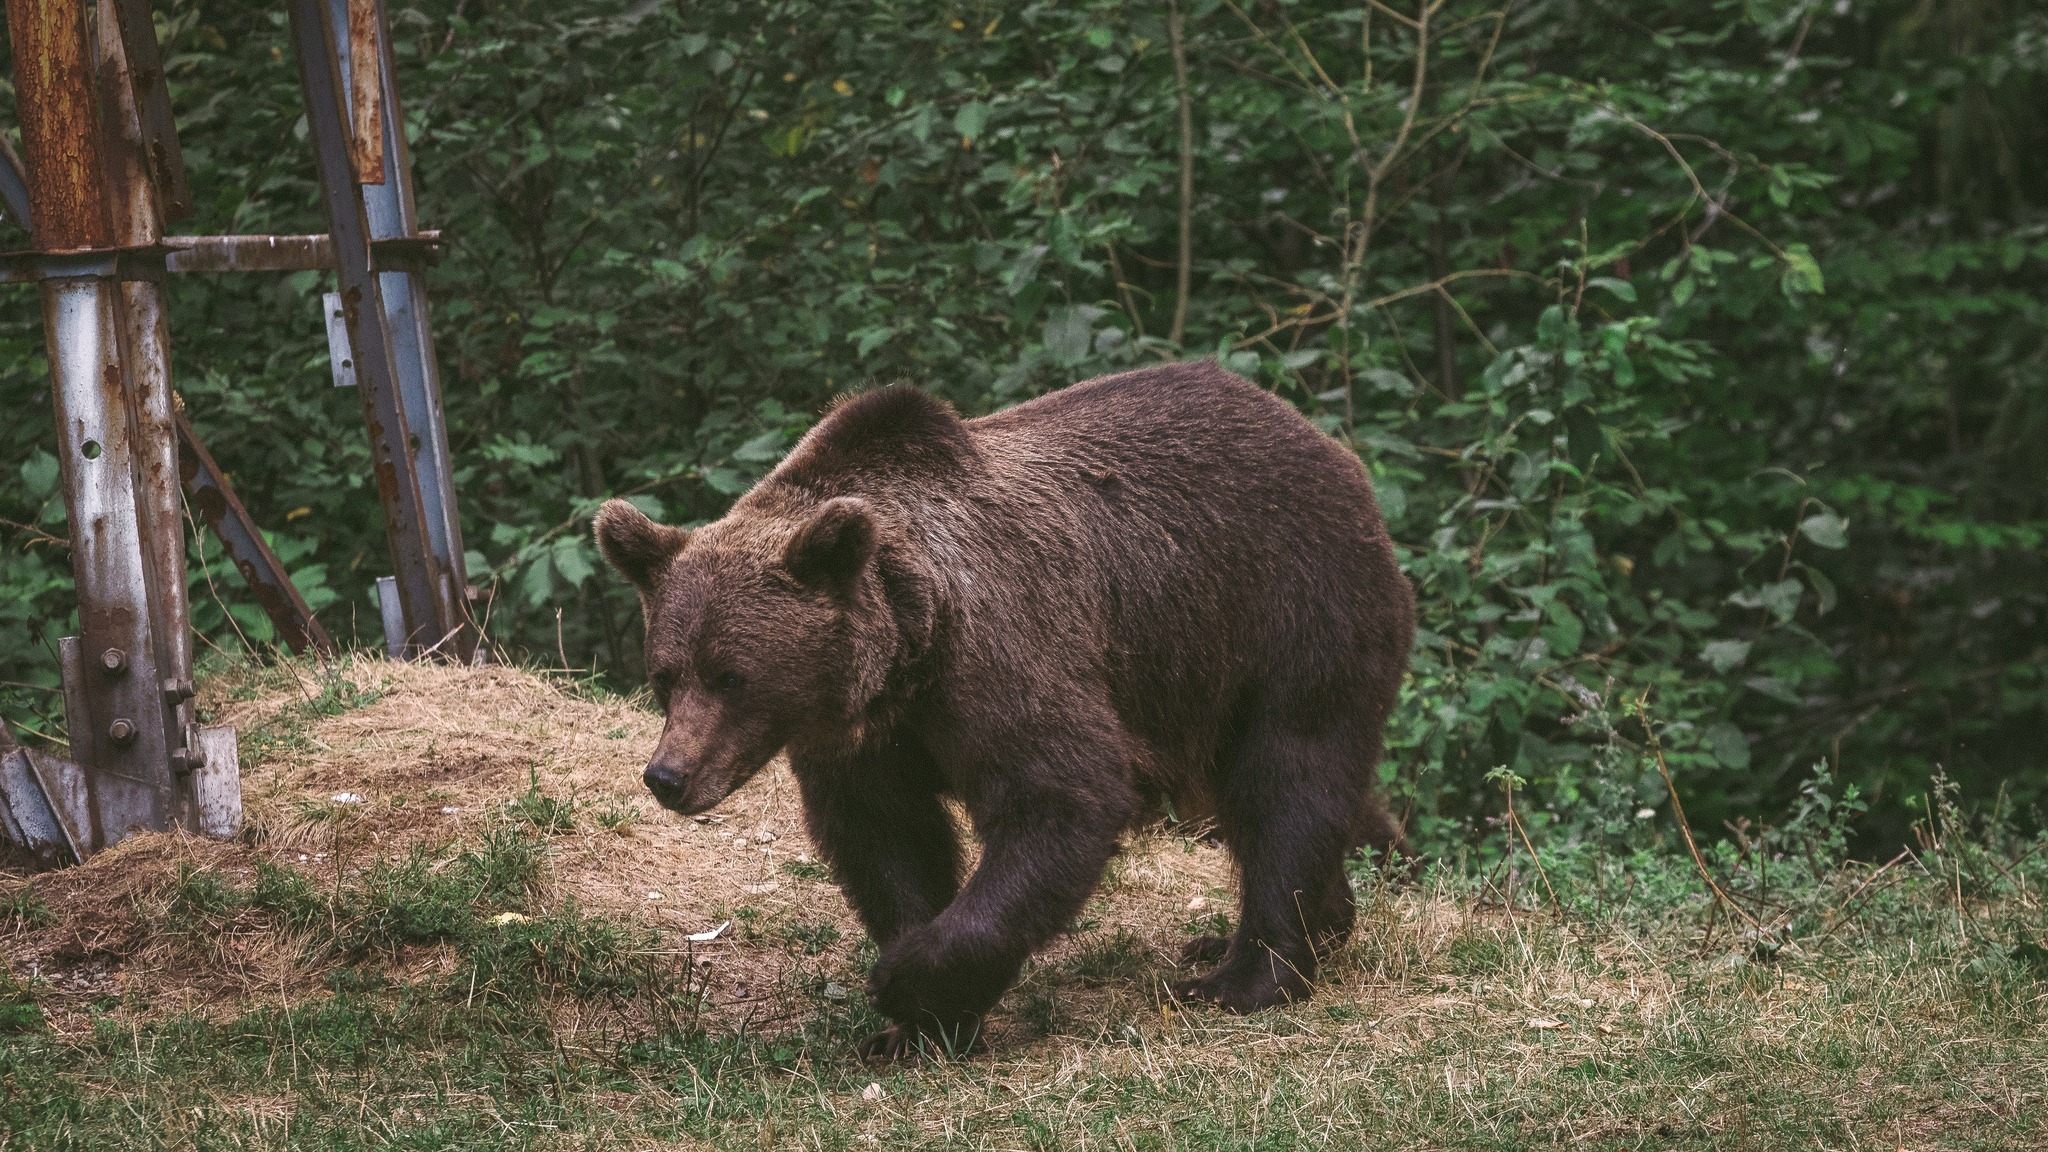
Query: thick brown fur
1160,585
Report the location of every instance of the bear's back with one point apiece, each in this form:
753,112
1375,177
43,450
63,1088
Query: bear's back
1221,544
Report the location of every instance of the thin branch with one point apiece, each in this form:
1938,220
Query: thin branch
1123,292
1678,811
1183,277
36,535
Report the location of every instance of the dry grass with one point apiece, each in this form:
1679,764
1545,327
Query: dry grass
1447,1023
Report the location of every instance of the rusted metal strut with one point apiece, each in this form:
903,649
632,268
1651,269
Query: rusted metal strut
272,586
385,314
215,254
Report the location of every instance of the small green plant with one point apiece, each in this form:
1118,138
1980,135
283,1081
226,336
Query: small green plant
617,815
286,893
290,728
565,951
424,898
1475,954
1120,956
22,907
506,866
807,870
811,938
541,810
201,901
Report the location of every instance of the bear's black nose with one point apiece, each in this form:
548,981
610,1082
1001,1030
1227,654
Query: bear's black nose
666,782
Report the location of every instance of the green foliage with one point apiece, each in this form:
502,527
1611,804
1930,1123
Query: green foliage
1694,348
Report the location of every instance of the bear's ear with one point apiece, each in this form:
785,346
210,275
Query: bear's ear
833,546
638,547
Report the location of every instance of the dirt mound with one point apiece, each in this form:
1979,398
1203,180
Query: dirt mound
361,764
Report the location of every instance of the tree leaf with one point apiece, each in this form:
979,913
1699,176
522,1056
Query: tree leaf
1388,380
765,448
1781,598
1620,288
538,583
970,120
724,481
1802,272
40,472
572,560
1582,435
1728,745
1070,333
1823,587
1724,655
1826,530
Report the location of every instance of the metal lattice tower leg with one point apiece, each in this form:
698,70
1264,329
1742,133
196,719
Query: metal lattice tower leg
103,175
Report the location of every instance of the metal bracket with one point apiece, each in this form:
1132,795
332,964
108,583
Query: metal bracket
339,356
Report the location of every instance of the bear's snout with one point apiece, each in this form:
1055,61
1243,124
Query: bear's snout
670,785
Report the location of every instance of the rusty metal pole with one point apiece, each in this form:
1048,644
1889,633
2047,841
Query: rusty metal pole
423,582
146,354
114,673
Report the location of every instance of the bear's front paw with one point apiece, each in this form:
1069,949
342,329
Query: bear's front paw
938,984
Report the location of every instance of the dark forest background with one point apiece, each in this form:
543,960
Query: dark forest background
1698,349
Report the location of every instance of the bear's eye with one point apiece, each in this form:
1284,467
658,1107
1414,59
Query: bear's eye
663,685
724,682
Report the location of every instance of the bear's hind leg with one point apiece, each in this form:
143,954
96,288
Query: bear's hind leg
1327,921
1289,819
1329,925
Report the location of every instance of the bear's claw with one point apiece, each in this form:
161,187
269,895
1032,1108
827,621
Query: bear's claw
902,1042
1203,950
1235,992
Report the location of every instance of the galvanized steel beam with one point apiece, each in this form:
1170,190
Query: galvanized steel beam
129,23
140,154
216,254
436,616
388,206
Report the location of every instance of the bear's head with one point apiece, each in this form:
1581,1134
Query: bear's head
768,629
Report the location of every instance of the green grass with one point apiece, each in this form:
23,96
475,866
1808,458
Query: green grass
1641,1014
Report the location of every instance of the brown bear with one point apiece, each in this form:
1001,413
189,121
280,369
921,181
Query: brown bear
1159,587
